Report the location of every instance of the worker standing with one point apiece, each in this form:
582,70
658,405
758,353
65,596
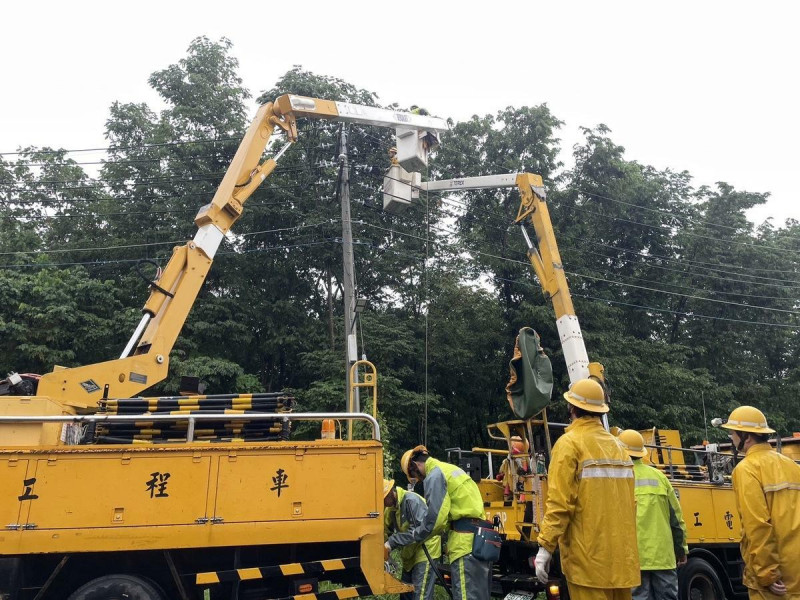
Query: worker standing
660,528
402,511
590,514
512,467
455,506
767,487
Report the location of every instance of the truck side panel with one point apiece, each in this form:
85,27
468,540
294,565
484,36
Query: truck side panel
80,499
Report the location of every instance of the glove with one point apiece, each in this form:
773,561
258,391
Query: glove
778,588
542,564
386,552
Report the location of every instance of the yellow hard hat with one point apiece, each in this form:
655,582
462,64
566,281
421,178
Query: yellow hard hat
388,485
747,418
588,395
633,443
405,460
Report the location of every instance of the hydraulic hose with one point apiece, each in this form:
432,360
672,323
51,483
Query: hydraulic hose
438,573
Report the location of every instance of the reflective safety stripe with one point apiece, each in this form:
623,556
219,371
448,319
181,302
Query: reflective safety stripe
776,487
420,593
615,473
647,483
585,400
629,447
463,575
601,462
748,424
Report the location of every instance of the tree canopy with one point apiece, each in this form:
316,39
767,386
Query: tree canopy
691,307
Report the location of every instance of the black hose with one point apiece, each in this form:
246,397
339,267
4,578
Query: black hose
439,575
151,282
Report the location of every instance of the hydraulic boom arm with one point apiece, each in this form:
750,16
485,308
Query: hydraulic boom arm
145,359
545,259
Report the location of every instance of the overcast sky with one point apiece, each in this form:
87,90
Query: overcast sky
709,87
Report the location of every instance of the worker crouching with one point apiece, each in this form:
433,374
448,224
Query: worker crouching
455,506
403,511
590,514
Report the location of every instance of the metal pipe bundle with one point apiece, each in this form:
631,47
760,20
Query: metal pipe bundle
152,432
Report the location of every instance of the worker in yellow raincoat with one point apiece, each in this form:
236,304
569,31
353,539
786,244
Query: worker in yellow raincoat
590,515
402,511
767,487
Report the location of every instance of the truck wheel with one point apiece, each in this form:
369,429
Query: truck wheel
699,581
117,587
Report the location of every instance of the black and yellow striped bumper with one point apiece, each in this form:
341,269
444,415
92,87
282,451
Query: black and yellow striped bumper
315,568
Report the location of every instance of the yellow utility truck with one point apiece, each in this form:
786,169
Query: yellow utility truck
107,495
515,493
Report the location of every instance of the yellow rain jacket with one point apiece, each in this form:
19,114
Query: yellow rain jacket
451,495
409,512
659,520
767,486
590,513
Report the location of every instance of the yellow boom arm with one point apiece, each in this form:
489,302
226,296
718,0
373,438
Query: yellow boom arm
544,257
145,359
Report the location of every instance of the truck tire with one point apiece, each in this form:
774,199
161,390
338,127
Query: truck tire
698,580
117,587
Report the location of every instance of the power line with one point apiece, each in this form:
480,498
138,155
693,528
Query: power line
136,260
124,161
205,195
666,310
103,183
167,179
573,249
631,204
614,282
754,245
694,263
250,206
695,235
687,314
131,147
647,265
162,178
650,256
628,304
682,261
686,287
647,208
151,244
658,309
639,306
728,302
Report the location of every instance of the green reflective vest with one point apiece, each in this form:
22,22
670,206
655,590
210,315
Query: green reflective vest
410,510
461,498
660,529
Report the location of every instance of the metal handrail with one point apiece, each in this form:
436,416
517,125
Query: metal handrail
370,381
679,449
192,419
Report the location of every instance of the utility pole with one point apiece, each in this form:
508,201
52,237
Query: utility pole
351,345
